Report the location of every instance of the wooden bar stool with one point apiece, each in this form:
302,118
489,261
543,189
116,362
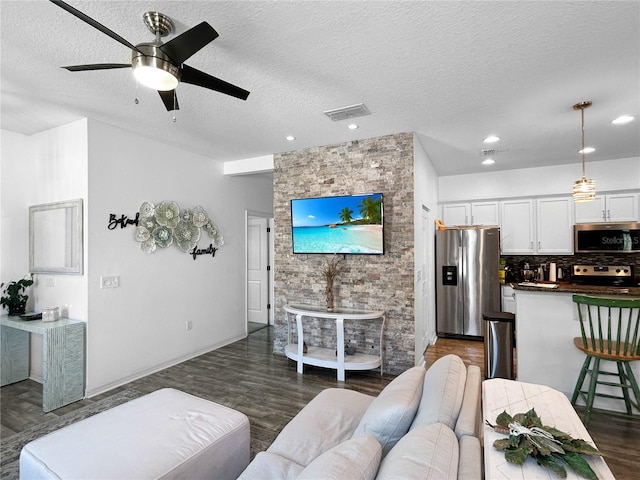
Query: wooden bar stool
610,331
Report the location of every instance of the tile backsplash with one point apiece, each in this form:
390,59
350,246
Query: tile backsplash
567,261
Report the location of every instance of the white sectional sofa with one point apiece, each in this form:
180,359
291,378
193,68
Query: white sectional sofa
424,424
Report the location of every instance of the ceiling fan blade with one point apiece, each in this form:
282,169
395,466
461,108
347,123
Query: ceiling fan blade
201,79
96,66
93,23
183,46
169,99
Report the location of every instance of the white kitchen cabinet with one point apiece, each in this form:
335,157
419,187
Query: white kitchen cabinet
541,226
476,213
615,207
517,234
485,213
554,225
456,214
508,299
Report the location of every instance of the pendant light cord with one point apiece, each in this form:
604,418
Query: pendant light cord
583,162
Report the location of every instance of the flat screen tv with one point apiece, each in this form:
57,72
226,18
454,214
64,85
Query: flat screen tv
350,224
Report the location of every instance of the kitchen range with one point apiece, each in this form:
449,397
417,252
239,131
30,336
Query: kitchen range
603,275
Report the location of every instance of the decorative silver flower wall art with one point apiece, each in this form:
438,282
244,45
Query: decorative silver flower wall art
161,225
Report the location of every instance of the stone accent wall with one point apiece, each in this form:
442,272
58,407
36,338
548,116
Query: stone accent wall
377,282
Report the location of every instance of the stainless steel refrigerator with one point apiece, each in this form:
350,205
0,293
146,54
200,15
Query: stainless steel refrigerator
467,282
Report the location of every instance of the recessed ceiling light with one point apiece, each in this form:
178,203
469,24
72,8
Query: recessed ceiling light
491,139
622,119
290,138
488,161
587,150
352,126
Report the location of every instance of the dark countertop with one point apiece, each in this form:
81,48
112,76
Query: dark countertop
582,289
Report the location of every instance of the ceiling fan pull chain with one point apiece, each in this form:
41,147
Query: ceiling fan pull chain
175,101
136,101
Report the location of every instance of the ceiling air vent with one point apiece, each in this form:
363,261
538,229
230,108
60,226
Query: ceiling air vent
488,152
344,113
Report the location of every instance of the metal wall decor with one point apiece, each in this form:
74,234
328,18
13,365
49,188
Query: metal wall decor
165,224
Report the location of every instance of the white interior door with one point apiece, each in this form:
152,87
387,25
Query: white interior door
257,270
424,286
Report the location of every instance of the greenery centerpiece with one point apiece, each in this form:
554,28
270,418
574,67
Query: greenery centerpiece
549,446
13,297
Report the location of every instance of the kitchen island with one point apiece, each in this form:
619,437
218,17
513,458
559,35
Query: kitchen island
546,323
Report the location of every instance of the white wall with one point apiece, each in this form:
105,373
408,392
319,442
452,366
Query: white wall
139,327
609,175
47,167
425,194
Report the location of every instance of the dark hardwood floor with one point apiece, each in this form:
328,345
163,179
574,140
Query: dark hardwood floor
247,376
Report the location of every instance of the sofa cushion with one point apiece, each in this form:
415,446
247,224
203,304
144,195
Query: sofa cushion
326,421
470,460
442,392
426,452
354,459
470,418
272,466
390,415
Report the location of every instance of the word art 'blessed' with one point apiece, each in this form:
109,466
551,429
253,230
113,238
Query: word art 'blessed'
123,221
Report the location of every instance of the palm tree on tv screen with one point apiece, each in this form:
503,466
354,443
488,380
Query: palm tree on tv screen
371,210
345,215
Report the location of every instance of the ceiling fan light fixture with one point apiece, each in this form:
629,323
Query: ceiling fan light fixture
155,78
153,69
584,190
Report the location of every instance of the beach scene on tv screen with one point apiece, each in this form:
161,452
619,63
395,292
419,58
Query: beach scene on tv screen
348,224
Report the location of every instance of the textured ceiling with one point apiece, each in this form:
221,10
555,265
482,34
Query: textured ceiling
454,72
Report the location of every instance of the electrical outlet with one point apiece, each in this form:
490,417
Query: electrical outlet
110,281
189,324
50,281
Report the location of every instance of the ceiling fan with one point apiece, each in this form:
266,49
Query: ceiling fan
160,65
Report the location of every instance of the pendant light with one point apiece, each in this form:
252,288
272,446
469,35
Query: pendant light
584,190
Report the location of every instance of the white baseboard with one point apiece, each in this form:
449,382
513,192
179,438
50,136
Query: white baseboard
143,373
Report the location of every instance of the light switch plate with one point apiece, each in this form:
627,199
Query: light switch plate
110,281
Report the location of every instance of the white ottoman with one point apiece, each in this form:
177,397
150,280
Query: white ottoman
166,434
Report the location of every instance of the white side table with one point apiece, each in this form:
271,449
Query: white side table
326,357
553,408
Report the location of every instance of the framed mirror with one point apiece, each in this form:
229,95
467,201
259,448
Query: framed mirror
55,238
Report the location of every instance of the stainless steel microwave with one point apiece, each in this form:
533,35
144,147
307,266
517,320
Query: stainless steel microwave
606,237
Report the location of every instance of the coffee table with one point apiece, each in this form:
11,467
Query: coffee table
553,408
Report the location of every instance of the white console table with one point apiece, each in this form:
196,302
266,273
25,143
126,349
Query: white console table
326,357
553,408
63,357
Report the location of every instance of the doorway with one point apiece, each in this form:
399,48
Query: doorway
425,314
259,230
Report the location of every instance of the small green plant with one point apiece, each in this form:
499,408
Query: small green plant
549,446
13,297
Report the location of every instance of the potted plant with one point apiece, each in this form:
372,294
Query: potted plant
13,297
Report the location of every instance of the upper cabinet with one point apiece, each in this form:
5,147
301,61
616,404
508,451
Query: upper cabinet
517,226
542,226
478,213
554,225
618,207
